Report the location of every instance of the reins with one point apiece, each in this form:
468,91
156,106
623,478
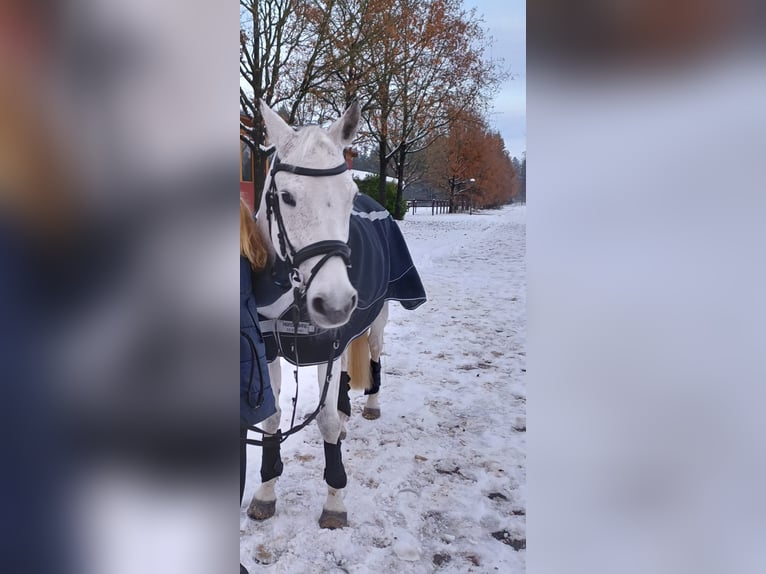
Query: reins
327,249
279,435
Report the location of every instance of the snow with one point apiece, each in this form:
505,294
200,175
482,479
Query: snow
359,174
438,482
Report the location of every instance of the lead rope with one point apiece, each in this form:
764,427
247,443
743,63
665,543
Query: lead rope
296,322
298,296
312,416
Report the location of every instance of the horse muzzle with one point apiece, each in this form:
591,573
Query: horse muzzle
331,303
328,310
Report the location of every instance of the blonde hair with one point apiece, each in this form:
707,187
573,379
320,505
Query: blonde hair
250,241
35,177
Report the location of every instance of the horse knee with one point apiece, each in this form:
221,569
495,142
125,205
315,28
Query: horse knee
271,424
329,425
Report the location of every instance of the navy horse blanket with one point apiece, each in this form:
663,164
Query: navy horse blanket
381,270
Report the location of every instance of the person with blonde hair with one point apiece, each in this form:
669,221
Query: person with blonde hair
250,242
39,277
256,399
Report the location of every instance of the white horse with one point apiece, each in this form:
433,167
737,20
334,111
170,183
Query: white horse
304,213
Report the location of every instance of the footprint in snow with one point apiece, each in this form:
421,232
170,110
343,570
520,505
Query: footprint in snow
406,546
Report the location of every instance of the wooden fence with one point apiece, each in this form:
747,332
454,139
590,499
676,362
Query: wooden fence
437,206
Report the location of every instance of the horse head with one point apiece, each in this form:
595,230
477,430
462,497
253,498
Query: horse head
307,199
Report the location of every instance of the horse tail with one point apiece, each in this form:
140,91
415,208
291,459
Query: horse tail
359,362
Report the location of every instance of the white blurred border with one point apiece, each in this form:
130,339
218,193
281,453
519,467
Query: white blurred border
646,310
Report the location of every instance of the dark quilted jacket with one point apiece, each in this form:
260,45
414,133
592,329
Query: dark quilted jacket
256,400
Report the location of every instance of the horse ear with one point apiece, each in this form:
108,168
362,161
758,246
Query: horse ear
277,129
343,130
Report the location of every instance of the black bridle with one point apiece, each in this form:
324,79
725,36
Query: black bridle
327,249
294,258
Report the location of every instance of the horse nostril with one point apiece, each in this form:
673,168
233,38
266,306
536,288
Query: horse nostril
319,305
352,305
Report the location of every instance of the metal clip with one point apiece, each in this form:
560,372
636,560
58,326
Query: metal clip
296,278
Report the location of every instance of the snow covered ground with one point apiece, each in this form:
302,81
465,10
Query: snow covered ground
437,484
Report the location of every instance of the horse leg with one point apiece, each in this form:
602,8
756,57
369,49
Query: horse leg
334,511
344,402
372,406
264,502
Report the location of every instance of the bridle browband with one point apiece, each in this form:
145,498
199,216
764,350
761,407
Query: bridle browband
327,249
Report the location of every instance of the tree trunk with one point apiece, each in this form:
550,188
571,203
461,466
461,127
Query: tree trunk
451,194
383,168
257,136
400,183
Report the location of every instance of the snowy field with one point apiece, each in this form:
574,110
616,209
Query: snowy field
437,484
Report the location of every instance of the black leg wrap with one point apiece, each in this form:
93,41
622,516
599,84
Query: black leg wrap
375,372
271,460
344,403
334,473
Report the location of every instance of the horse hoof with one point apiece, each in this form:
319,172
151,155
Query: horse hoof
370,413
261,510
331,519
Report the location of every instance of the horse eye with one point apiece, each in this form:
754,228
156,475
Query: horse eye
288,198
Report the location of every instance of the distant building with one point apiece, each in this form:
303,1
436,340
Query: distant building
422,191
246,165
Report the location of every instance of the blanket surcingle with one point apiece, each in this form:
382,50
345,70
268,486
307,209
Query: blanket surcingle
381,270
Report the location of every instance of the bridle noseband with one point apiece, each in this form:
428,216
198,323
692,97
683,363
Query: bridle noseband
292,257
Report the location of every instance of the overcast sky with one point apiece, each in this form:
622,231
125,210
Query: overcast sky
506,22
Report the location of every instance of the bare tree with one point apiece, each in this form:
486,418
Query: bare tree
282,43
446,73
412,64
267,38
